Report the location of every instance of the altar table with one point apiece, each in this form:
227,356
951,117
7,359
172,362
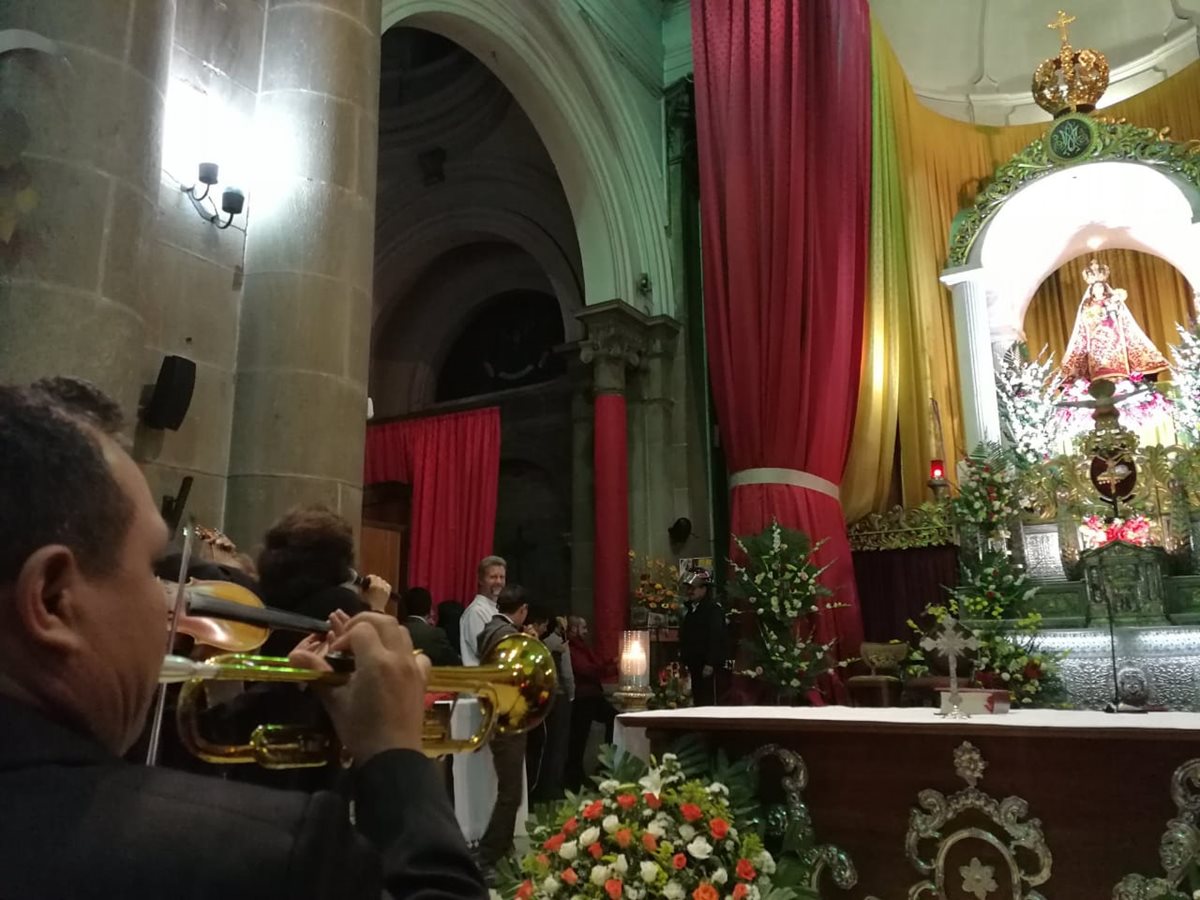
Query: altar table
1099,783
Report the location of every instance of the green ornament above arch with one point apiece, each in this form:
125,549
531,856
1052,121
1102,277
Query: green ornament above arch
1072,140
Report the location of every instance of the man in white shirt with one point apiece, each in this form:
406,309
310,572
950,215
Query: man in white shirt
492,573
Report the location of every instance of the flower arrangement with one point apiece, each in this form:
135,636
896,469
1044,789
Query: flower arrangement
659,836
780,584
674,688
1026,391
1095,531
1185,376
987,497
656,589
1144,410
995,588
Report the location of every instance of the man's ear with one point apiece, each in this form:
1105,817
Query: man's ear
47,585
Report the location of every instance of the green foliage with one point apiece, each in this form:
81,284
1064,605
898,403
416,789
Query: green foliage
780,585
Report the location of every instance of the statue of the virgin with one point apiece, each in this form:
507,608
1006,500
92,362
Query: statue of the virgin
1107,342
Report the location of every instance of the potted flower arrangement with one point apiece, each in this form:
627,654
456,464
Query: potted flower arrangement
779,584
655,592
661,835
674,688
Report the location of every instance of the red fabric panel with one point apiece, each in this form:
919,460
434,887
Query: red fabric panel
453,465
783,101
611,609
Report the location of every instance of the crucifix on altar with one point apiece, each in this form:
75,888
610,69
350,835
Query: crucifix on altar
951,639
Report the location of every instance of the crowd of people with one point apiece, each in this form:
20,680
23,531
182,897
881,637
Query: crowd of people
85,560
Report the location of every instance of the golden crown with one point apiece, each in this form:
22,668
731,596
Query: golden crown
1074,80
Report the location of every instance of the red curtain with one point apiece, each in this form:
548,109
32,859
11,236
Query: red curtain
452,463
611,457
783,103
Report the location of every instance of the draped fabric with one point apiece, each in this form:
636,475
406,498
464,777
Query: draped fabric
452,463
611,467
941,165
783,108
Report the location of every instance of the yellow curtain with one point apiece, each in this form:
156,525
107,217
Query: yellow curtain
941,165
1160,299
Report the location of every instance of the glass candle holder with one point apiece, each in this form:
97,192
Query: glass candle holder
634,661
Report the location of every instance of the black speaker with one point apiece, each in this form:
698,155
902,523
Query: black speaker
171,394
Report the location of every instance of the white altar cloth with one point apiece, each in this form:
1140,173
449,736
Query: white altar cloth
475,778
630,731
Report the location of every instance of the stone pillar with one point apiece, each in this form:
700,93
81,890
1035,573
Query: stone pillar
658,446
615,340
89,134
976,368
300,407
582,487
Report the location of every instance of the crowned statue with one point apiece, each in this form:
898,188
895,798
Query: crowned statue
1106,342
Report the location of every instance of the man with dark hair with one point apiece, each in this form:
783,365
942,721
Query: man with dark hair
84,400
418,603
508,751
82,630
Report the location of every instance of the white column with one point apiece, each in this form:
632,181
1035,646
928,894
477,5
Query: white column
976,370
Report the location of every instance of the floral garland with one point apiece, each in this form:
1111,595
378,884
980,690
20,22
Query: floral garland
1096,531
661,836
1143,410
780,583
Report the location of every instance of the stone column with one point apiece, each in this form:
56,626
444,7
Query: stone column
582,487
976,368
303,351
615,340
85,135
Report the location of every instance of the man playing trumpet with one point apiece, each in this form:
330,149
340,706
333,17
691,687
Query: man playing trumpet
82,634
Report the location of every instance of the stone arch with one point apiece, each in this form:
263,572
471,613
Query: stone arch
605,161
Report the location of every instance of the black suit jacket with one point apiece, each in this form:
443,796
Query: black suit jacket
80,824
431,641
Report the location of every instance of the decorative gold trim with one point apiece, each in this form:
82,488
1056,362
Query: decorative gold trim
1179,847
928,525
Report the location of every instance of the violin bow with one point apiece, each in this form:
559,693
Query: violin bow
160,705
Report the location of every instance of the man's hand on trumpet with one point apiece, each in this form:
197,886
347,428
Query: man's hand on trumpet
382,706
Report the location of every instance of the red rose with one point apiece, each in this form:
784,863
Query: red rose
679,860
740,891
552,844
718,828
613,888
745,870
691,812
626,801
652,800
570,825
569,876
1032,672
594,809
596,850
650,842
623,837
525,891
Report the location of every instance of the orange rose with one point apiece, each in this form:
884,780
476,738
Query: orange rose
525,891
594,809
705,892
626,801
570,825
543,859
679,860
613,888
652,800
596,850
650,842
623,837
745,870
740,891
553,843
569,876
691,812
718,828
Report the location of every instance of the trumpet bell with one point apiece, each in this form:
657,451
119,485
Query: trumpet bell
515,687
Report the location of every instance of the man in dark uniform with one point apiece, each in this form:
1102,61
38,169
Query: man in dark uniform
83,625
702,636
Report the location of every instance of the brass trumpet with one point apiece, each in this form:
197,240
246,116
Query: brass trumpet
515,687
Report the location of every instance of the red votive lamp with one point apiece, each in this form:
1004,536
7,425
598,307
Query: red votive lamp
937,470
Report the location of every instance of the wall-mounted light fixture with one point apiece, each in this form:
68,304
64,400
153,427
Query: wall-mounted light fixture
232,200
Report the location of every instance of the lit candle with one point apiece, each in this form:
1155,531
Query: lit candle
635,667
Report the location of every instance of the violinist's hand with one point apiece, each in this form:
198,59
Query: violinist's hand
376,593
382,706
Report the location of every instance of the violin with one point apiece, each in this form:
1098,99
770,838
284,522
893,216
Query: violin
232,618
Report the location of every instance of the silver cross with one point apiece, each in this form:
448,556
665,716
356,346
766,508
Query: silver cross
951,639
